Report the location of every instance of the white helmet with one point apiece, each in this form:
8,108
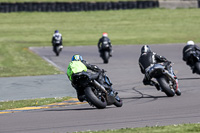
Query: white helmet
105,34
190,43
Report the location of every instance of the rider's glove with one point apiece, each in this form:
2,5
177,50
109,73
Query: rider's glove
167,62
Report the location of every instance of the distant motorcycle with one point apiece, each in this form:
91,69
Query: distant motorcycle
57,48
96,94
194,61
165,78
105,52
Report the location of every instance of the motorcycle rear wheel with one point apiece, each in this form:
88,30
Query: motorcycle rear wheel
99,103
164,84
106,57
58,50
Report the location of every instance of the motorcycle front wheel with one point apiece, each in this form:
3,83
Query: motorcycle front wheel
118,101
164,84
98,102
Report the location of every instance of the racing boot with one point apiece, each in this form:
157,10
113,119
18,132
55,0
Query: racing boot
193,69
61,47
157,86
152,83
110,53
81,98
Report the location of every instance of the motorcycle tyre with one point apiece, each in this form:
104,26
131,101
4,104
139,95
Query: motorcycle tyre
165,86
105,57
197,67
58,50
93,99
55,50
118,103
178,93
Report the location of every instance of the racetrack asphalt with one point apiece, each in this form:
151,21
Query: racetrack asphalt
18,88
30,87
143,105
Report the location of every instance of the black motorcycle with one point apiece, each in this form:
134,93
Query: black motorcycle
57,48
105,52
165,78
194,62
95,93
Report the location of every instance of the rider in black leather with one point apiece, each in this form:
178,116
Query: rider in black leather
190,47
56,40
105,39
147,58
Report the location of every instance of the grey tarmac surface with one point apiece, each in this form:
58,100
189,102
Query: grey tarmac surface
143,105
20,88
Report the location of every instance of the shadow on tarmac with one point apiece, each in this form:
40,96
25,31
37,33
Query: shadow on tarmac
143,96
188,78
79,109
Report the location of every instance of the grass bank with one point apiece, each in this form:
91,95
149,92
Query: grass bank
148,26
181,128
30,102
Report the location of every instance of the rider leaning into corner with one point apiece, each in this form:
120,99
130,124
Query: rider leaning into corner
80,65
105,40
56,40
146,59
190,47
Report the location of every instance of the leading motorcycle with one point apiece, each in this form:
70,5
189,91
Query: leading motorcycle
57,48
194,62
95,93
165,78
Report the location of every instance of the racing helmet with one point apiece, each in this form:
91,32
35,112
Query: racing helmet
77,57
190,43
145,49
105,34
56,31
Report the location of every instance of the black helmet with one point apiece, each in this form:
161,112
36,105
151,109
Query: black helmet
145,49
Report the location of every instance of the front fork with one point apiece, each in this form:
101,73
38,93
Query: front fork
175,84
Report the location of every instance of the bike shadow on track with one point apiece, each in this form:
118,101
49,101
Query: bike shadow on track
188,78
143,95
78,109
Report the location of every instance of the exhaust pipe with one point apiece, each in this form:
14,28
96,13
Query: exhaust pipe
99,86
169,75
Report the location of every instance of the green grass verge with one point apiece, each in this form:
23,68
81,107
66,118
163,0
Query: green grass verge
30,102
67,0
181,128
148,26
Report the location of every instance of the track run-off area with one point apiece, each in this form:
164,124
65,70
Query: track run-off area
142,105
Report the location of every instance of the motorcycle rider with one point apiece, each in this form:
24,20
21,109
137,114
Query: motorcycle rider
146,59
105,40
80,65
187,50
56,40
